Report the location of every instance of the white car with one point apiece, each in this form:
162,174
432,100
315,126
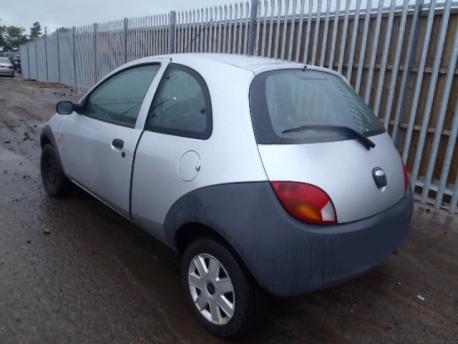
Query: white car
6,67
264,174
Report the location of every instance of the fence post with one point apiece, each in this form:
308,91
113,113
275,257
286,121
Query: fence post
95,52
58,55
28,61
252,33
407,76
36,60
126,28
46,54
74,57
172,27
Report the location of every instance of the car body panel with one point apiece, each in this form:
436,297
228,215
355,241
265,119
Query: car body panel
93,162
344,169
52,132
255,65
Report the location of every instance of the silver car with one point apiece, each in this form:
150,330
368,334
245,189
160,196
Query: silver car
264,174
6,67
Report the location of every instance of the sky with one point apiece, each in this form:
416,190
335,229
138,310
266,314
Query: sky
67,13
53,14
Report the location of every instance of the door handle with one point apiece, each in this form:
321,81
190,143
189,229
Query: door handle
117,143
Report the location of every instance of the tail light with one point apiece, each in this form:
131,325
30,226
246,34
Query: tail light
406,177
306,202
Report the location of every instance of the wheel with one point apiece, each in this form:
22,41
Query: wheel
218,289
54,180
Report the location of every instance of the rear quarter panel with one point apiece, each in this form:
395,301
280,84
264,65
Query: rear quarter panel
230,155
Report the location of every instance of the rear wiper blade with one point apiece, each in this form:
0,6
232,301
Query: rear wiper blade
367,143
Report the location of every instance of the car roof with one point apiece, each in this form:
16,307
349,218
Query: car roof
250,63
253,64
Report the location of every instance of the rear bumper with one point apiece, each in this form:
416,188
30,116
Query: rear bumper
307,258
287,257
6,71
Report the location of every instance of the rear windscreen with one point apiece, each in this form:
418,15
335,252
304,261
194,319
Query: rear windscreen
285,99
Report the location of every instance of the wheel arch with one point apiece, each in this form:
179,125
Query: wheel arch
47,137
192,231
223,213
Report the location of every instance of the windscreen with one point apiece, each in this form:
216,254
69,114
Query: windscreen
288,99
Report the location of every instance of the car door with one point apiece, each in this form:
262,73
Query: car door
99,142
173,146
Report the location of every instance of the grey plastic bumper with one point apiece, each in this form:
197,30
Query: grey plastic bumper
287,257
6,72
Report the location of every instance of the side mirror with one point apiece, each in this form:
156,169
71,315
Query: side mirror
66,107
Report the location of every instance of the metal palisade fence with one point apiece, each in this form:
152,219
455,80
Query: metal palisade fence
399,55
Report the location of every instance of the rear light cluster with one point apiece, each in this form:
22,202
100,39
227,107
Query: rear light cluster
306,202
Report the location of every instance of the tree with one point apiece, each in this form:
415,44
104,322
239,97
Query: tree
12,36
2,34
15,36
35,31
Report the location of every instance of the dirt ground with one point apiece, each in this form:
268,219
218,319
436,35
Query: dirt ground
73,271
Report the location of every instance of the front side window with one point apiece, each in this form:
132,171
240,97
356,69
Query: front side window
300,106
118,99
181,105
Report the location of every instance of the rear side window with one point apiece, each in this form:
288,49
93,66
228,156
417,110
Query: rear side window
284,99
118,99
181,105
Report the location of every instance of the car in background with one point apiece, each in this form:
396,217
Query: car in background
6,67
263,174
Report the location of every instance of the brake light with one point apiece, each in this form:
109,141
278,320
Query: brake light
406,177
306,202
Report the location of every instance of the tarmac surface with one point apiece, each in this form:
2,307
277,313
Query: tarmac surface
73,271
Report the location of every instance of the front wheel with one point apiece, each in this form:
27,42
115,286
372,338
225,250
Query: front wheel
54,180
221,294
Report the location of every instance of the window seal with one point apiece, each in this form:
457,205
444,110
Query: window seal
207,98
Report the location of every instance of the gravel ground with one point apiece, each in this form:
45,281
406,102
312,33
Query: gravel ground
73,271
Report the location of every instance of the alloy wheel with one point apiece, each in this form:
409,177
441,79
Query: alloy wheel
211,289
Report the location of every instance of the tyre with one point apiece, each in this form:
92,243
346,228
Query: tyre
220,292
54,180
